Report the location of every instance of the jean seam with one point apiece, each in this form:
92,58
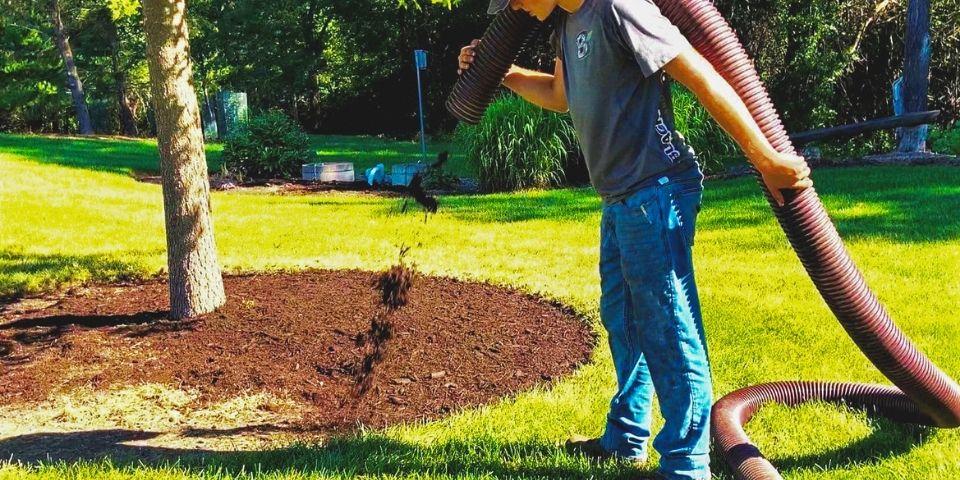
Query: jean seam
665,237
665,197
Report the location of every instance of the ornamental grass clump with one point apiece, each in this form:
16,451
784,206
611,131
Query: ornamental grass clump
517,145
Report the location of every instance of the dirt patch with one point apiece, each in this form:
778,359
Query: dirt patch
297,337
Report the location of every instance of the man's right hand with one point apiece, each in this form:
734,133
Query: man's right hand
541,89
466,56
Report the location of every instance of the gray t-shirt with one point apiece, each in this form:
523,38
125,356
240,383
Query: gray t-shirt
612,52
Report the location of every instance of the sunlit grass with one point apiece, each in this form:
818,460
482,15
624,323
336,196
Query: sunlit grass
765,321
367,151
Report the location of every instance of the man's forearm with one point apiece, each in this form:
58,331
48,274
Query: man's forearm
723,104
780,171
536,87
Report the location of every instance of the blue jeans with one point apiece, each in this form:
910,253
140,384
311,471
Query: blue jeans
649,307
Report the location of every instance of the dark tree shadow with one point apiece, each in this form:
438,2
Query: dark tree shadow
887,440
116,155
86,321
354,455
21,340
900,204
348,455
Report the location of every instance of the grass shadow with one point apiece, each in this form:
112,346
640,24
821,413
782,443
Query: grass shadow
888,439
568,205
374,455
900,204
367,455
113,155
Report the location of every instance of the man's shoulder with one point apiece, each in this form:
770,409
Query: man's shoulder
627,7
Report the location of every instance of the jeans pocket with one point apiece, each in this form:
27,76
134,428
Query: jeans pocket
689,199
642,205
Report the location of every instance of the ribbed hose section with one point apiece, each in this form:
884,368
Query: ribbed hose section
926,395
734,410
930,396
498,49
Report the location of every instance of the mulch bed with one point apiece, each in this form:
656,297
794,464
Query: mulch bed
299,336
308,187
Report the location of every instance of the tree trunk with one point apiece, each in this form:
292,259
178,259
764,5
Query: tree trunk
128,119
73,79
196,286
916,72
315,43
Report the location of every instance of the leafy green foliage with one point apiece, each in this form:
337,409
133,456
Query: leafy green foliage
270,145
832,62
518,145
33,95
712,144
946,139
825,62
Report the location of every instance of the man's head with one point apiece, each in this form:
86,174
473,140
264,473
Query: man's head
537,8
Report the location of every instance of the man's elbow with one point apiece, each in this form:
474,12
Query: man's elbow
560,106
559,103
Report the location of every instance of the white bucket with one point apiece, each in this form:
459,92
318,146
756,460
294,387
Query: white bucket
328,172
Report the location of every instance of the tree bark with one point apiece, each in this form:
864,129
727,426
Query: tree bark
916,72
196,285
84,125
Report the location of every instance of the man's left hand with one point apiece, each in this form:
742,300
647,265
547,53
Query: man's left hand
784,172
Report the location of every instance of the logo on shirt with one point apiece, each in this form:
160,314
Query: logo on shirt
583,44
666,138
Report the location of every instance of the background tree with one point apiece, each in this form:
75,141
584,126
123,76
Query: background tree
84,125
916,72
111,37
31,73
196,285
345,66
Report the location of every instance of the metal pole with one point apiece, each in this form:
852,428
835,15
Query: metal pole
423,139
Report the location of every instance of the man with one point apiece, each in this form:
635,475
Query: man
609,74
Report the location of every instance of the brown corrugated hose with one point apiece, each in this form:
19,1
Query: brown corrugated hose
923,393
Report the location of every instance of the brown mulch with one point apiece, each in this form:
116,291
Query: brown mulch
298,336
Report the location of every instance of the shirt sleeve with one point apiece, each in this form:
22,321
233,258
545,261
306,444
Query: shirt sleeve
646,33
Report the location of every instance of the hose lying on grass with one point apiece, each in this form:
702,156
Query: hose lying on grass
923,394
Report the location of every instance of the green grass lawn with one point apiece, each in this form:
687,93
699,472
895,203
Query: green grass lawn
61,225
140,155
367,151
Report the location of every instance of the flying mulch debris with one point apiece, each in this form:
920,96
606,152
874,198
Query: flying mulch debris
416,191
394,286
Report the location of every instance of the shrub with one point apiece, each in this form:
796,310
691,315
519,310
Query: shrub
519,145
945,140
715,149
270,145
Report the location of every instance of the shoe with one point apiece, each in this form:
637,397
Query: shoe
591,448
